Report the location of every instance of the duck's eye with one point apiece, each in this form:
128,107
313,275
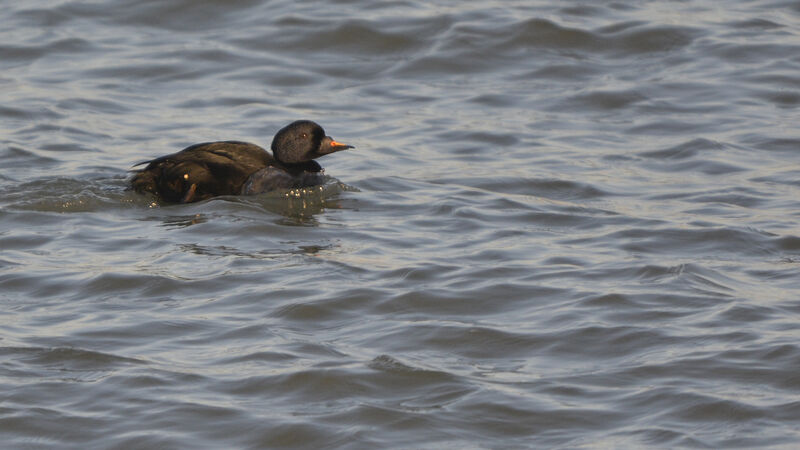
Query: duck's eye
303,135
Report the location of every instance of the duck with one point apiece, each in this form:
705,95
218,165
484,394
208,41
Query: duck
210,169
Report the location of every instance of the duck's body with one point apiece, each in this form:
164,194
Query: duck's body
210,169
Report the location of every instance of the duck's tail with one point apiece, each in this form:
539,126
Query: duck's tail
144,181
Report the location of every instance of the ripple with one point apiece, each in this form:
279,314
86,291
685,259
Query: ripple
688,149
603,100
713,240
28,53
66,195
654,39
19,157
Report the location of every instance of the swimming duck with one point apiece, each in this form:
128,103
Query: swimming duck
206,170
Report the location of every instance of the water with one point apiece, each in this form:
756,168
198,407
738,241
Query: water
566,224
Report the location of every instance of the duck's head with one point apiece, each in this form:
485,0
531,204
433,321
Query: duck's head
302,141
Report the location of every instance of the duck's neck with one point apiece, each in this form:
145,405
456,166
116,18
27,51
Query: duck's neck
305,166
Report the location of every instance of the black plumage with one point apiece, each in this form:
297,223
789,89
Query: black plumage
210,169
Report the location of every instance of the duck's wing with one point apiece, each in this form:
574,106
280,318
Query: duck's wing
201,171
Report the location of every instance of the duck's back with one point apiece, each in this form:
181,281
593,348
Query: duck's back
202,171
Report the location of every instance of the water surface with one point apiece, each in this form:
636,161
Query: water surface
564,225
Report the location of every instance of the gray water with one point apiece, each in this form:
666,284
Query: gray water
565,224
